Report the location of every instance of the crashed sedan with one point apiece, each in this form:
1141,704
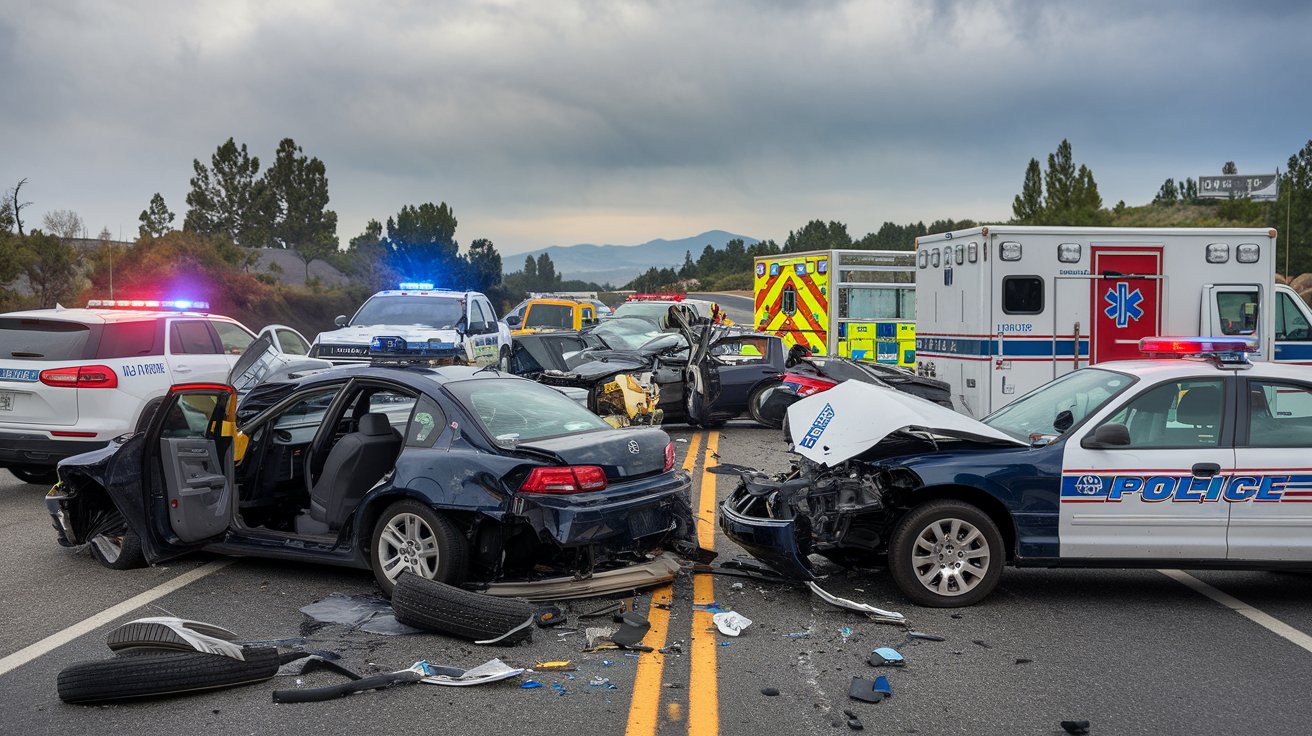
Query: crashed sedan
451,473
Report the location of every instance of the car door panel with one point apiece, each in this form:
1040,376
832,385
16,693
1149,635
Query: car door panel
1271,516
198,486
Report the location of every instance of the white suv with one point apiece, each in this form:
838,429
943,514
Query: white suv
73,379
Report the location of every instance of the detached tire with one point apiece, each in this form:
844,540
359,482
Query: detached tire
412,537
946,554
446,609
117,547
754,405
146,675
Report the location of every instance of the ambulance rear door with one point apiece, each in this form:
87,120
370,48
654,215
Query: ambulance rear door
1126,299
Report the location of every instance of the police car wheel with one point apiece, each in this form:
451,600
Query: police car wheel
35,475
411,537
946,554
504,362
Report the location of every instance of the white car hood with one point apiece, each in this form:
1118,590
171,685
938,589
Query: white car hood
363,334
850,418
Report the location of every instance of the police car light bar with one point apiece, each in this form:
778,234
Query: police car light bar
1224,349
394,350
657,297
414,285
179,304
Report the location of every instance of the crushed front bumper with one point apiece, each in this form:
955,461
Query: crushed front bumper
776,542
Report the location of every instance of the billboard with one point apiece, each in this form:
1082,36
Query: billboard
1253,186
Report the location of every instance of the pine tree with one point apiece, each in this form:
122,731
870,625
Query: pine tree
1027,208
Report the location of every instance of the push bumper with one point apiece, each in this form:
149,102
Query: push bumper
23,448
772,541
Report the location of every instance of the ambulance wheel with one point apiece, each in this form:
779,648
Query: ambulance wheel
34,474
946,554
754,405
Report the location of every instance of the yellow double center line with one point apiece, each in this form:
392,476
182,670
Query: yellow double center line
703,699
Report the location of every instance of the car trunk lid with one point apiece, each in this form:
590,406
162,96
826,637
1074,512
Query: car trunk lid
622,453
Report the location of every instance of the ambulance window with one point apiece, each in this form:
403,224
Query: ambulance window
1290,322
1279,415
1022,294
789,299
1175,414
1238,312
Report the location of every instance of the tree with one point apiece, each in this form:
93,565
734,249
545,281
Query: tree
818,235
689,268
1291,214
1060,179
1229,168
297,188
13,211
484,265
64,224
423,244
1167,193
369,258
228,198
51,267
531,272
1070,194
1189,192
156,219
1027,208
548,280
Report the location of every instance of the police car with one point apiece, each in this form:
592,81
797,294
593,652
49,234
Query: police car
72,379
1192,458
420,315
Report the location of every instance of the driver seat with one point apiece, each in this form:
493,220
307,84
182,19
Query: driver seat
353,466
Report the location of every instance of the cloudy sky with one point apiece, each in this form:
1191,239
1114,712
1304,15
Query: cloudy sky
616,122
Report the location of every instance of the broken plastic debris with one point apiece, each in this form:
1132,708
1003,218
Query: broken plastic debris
1076,728
527,623
846,631
883,687
493,670
853,722
369,613
562,665
737,586
673,648
886,657
864,690
607,663
731,623
530,684
559,688
713,607
878,614
632,631
769,691
549,616
724,643
598,638
923,635
603,682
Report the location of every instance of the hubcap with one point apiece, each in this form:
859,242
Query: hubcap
408,544
109,546
950,557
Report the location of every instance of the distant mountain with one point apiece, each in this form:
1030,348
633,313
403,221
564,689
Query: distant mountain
619,264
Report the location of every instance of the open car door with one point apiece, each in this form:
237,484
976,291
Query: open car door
701,385
188,487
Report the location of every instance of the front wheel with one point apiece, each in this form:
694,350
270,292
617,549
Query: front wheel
117,547
34,474
504,362
755,401
411,537
946,554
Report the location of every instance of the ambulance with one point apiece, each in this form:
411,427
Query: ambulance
1002,310
857,304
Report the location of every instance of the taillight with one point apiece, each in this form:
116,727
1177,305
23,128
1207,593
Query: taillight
576,479
669,456
86,376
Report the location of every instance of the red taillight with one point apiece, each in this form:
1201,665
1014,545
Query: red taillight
807,386
669,456
577,479
86,376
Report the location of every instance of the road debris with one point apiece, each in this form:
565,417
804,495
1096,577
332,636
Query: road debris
632,631
886,657
924,637
731,623
408,676
864,690
876,614
769,691
1075,728
446,609
549,616
563,665
598,638
530,685
853,721
982,643
366,612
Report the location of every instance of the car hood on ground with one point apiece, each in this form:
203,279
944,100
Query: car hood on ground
852,417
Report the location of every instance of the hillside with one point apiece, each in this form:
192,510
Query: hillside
618,264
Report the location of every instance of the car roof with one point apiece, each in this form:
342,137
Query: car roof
1162,368
559,301
104,316
416,376
448,293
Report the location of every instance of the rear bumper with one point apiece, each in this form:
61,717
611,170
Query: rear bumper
28,448
772,541
640,516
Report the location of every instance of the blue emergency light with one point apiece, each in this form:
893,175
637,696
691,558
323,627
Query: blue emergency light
1222,349
178,304
415,285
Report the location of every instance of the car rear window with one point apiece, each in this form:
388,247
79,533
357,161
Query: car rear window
550,315
130,340
42,339
514,410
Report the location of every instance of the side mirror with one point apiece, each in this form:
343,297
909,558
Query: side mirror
1064,421
513,320
462,325
340,320
1105,436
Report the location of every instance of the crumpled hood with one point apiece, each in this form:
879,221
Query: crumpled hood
845,421
363,334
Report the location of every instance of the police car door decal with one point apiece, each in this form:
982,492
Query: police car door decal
1124,309
1165,496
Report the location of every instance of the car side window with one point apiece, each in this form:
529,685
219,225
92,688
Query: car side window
292,343
1291,325
1175,414
192,337
477,318
489,312
190,416
1238,312
742,350
1279,415
235,340
394,405
425,424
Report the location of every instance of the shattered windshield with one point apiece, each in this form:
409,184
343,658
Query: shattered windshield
407,310
1039,412
626,333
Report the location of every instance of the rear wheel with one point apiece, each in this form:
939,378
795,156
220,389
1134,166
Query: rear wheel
411,537
35,474
755,401
946,554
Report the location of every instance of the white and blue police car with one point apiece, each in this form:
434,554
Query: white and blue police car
73,379
1192,457
423,317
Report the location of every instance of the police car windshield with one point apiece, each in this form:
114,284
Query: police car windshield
1037,413
440,312
650,310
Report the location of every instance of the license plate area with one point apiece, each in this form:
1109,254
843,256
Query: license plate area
7,400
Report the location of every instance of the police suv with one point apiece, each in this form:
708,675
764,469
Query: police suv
73,379
459,323
1192,458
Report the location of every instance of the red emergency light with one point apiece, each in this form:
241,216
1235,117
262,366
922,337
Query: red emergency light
1179,347
158,304
657,297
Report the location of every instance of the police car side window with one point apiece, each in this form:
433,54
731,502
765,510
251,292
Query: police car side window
191,337
1279,415
129,340
1175,414
235,340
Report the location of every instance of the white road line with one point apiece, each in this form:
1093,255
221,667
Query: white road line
60,638
1265,620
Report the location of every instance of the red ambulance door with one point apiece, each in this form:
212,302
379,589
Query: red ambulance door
1126,300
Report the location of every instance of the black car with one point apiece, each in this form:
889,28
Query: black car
451,473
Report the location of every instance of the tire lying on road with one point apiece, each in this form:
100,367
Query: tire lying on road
157,673
446,609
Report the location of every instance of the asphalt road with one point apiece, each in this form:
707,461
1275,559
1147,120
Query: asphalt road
739,308
1134,652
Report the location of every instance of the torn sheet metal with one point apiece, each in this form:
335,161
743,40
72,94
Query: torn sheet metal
634,577
493,670
878,614
845,421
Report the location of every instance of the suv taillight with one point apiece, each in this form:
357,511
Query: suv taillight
576,479
669,456
85,376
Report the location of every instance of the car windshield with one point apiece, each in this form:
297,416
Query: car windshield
626,333
440,312
549,316
651,310
1040,412
513,410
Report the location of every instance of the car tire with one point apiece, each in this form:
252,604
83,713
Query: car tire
754,405
503,363
35,474
446,609
150,674
116,546
418,534
931,565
